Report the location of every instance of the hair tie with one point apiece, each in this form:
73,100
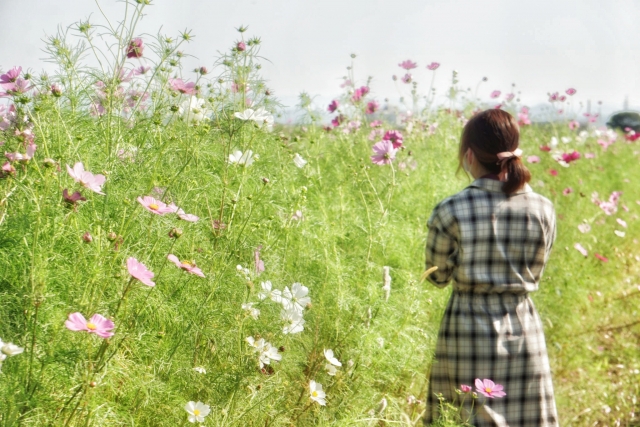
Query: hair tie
503,157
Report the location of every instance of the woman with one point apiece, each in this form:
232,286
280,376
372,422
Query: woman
492,240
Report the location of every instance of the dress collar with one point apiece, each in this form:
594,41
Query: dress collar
495,186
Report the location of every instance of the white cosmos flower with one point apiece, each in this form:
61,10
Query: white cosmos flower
193,109
275,295
200,370
619,233
331,370
10,349
268,354
316,393
263,118
240,158
299,161
294,322
328,354
554,142
295,298
247,114
254,312
258,345
197,411
565,139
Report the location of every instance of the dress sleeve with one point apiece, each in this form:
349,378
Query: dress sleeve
442,246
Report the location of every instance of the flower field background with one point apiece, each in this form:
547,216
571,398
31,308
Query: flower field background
169,254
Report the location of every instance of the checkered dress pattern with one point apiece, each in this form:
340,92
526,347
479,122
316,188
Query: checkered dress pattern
494,247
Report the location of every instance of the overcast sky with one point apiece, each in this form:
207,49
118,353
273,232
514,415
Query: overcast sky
541,45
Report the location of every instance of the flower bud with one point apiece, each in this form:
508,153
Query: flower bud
265,180
111,236
175,233
48,163
92,384
87,237
241,47
203,70
56,90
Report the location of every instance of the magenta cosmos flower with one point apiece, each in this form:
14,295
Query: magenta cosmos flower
10,76
135,48
333,106
393,136
185,265
85,178
408,65
99,325
155,206
489,388
570,157
571,91
433,66
385,153
372,107
182,87
465,388
139,271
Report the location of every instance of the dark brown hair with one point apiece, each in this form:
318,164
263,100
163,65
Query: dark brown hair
489,133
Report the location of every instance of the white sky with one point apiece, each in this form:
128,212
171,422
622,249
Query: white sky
542,45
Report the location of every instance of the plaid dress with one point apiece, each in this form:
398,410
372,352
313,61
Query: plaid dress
494,247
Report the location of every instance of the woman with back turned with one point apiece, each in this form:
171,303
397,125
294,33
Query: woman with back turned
492,239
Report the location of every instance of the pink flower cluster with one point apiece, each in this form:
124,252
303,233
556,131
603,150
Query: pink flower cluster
13,84
359,93
86,178
486,387
610,206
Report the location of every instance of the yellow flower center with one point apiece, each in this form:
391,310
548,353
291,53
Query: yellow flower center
154,206
187,264
487,389
314,394
196,412
91,326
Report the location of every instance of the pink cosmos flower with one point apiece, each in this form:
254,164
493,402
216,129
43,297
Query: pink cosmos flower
385,153
258,263
574,124
86,179
73,198
18,87
589,155
359,93
553,172
395,137
508,97
99,325
10,76
407,65
376,134
567,191
622,222
155,206
489,388
139,271
18,157
570,157
433,66
406,78
600,257
7,169
533,159
562,99
495,94
372,107
465,388
333,106
604,143
523,117
584,228
553,97
135,48
185,265
581,249
375,124
571,91
182,87
181,213
141,70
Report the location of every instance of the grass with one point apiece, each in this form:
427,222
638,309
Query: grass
358,218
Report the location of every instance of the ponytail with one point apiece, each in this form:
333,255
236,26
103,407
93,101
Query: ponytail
517,175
